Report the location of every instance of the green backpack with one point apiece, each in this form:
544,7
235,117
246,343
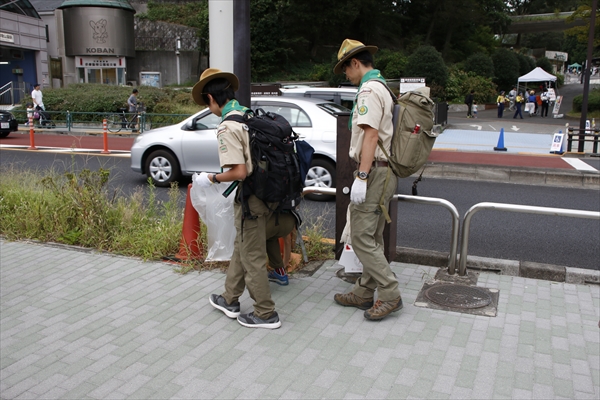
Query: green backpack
413,136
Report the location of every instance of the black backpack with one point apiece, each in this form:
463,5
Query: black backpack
278,173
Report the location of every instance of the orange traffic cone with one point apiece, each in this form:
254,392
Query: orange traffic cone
190,246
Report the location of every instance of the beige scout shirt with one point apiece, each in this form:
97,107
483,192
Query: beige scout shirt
234,144
374,107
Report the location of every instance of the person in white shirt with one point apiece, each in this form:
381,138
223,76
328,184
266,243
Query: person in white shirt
36,95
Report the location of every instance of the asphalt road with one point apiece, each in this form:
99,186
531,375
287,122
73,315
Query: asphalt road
565,241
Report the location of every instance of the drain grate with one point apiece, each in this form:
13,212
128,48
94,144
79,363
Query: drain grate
458,296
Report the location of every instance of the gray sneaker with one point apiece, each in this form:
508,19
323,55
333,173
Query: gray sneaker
252,321
218,302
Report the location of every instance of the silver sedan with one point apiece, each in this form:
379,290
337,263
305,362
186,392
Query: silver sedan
165,154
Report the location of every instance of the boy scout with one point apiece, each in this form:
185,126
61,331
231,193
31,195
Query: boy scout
371,120
259,229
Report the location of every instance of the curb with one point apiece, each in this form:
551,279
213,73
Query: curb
516,175
524,269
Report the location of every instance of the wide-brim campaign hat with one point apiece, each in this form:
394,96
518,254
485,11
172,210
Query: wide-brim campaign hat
208,75
349,48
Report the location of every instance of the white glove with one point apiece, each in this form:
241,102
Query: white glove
201,179
358,193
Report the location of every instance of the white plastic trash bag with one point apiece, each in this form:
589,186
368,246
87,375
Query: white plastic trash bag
216,211
350,261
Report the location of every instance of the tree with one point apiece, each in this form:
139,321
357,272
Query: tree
582,32
506,68
427,62
545,64
480,64
526,63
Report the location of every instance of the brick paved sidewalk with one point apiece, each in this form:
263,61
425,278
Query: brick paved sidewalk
87,325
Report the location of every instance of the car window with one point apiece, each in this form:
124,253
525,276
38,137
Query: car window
209,121
295,116
333,108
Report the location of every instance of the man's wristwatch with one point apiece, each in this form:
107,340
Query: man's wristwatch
363,175
214,178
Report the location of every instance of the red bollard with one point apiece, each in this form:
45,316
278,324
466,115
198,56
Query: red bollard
105,132
31,135
190,246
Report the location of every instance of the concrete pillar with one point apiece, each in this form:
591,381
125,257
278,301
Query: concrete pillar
220,32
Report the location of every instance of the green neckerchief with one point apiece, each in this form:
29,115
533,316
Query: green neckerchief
232,105
372,74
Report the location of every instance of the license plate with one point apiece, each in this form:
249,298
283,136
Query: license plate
4,125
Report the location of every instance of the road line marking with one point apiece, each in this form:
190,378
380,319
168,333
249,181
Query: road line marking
579,165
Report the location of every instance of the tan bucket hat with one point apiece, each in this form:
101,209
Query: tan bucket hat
208,75
349,48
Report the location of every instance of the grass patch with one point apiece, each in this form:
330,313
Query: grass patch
77,208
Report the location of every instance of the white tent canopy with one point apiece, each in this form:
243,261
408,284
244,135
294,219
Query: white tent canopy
537,75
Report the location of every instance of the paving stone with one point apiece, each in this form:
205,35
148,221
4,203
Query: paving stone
95,325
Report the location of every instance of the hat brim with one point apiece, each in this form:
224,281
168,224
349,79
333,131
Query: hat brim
338,67
199,86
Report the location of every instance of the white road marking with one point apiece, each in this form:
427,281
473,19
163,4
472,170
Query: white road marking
115,153
578,164
476,126
514,128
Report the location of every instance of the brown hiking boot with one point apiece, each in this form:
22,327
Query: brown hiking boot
352,300
382,309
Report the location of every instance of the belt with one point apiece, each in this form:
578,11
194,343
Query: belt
380,163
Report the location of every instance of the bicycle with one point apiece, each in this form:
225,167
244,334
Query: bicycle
117,121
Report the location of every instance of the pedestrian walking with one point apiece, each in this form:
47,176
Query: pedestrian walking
370,122
132,107
531,105
500,100
469,102
519,104
258,227
37,97
545,98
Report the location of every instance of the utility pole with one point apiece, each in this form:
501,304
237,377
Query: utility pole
586,77
241,49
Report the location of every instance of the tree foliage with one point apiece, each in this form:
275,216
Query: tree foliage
506,68
480,64
427,62
584,11
545,64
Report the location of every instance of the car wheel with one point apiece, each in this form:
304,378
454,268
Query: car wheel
163,168
320,174
4,134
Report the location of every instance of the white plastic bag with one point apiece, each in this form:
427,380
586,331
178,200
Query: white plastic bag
216,211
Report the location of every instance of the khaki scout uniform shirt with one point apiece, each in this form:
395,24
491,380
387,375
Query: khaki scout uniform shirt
374,107
234,144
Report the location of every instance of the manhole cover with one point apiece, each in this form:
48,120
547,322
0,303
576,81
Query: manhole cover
458,296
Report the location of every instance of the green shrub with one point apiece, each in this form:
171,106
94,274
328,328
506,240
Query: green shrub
480,64
506,68
593,101
427,62
391,63
101,99
460,83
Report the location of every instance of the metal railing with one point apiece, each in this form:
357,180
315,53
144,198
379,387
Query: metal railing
417,200
74,120
581,138
6,94
455,221
564,212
